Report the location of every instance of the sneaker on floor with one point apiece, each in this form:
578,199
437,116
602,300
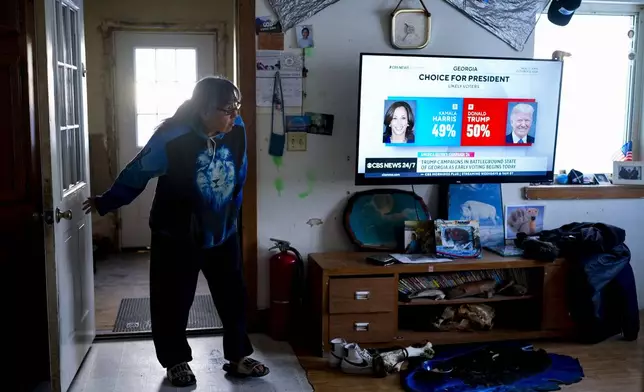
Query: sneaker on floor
336,352
181,375
356,360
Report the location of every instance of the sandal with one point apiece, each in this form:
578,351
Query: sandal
248,367
181,375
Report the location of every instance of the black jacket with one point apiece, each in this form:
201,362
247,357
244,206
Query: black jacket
602,296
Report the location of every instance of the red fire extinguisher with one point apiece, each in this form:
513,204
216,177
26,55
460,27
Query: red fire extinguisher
286,283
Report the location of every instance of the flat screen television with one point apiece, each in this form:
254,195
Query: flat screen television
436,119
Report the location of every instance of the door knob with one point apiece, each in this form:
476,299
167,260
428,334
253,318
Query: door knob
63,215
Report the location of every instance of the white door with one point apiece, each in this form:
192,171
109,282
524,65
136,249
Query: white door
72,316
155,73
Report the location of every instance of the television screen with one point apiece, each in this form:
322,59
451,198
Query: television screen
433,119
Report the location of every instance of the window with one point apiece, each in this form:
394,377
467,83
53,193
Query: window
164,80
68,98
597,89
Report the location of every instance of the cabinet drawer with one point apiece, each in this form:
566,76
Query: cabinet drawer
363,328
362,295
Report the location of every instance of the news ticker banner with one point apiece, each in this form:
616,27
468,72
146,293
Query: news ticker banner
465,164
463,122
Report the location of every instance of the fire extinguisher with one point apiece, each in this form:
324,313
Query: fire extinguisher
286,286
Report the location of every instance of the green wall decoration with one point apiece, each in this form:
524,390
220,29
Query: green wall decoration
279,186
310,182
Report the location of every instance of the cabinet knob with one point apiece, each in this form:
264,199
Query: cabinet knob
361,327
361,295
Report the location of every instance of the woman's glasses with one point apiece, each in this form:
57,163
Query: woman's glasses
231,109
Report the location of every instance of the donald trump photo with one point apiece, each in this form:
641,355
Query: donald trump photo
520,123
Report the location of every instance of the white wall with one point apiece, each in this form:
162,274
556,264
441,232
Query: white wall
341,32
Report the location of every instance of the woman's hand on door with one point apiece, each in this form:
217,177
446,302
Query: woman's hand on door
89,205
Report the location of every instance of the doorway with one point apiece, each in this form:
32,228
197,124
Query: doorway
154,73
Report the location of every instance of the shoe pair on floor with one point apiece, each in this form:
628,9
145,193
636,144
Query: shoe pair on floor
350,358
182,376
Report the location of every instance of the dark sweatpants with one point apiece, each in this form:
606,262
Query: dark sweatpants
174,269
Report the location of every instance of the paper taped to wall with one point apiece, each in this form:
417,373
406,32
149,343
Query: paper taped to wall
268,62
291,87
270,41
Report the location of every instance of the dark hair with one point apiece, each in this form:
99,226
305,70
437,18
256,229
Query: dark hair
305,29
211,92
409,133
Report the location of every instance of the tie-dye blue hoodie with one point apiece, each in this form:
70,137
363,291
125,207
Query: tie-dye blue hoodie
200,181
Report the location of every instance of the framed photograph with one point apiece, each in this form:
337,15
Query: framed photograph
602,179
628,173
523,219
321,124
481,202
589,179
419,237
297,123
457,238
304,36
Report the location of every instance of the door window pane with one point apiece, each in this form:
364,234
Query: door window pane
186,65
74,48
146,97
69,92
596,89
145,65
68,100
164,80
184,91
168,96
166,65
145,125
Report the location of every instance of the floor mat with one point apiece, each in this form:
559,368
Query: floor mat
134,315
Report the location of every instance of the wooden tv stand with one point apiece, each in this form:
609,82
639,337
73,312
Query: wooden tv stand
358,301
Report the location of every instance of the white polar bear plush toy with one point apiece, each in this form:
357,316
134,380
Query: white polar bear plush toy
476,210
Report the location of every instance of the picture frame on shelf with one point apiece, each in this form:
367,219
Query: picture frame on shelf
457,238
603,178
524,218
419,237
628,173
481,202
590,179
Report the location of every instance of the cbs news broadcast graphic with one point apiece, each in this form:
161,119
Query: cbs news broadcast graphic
457,117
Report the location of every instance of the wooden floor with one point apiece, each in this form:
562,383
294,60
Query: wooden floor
125,275
611,366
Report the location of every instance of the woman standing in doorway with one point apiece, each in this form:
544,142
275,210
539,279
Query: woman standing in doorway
199,157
